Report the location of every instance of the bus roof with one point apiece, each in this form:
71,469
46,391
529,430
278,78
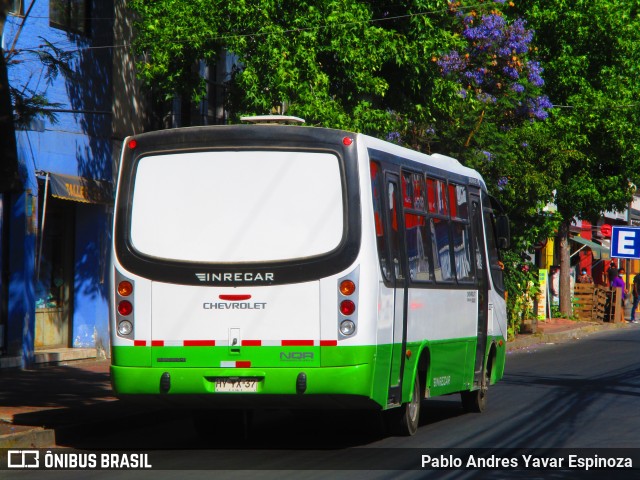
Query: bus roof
435,160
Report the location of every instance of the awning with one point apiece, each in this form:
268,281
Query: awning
597,249
81,189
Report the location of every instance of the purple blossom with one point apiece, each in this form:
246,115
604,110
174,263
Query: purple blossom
393,137
488,155
535,73
511,72
536,108
502,182
452,62
517,37
475,76
490,28
493,62
486,97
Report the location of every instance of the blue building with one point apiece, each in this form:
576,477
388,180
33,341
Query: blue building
55,231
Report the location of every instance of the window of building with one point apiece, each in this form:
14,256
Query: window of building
69,15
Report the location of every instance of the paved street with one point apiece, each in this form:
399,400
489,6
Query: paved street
578,395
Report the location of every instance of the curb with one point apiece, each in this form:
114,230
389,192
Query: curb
30,437
525,341
51,356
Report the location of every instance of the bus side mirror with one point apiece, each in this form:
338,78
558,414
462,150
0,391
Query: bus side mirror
503,232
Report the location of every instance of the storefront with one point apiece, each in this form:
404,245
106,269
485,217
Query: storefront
70,258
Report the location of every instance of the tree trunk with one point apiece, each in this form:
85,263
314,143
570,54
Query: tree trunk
565,266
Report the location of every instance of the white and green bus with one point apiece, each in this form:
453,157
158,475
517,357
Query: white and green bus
271,265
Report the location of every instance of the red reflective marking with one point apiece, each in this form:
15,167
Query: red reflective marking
328,343
199,343
297,343
243,364
139,343
157,343
251,343
234,298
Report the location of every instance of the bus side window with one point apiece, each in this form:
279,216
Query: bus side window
441,249
416,233
494,260
394,235
376,189
459,209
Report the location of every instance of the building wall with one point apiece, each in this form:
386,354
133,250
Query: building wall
79,143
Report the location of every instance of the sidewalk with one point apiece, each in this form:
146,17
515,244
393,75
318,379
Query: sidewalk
40,403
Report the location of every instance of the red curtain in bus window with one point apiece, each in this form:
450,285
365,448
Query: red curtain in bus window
453,201
431,194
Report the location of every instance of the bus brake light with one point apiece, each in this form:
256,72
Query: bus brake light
125,308
347,307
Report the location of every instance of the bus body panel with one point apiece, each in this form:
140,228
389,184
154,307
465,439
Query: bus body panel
195,326
237,319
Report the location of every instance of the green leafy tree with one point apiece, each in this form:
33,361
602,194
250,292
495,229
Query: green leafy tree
321,60
591,54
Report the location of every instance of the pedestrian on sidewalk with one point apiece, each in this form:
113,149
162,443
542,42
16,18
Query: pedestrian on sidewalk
618,282
636,297
612,273
584,277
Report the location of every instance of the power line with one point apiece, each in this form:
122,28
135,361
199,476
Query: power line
293,30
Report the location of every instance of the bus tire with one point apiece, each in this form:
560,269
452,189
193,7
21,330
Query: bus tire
475,401
405,420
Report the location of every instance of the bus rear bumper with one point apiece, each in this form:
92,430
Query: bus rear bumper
327,387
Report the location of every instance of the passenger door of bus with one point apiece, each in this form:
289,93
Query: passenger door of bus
483,294
396,245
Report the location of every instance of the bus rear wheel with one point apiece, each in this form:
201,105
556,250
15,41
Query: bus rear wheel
405,420
475,401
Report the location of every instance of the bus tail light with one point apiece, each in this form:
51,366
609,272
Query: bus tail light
124,299
125,288
348,305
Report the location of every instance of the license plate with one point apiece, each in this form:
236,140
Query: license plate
239,385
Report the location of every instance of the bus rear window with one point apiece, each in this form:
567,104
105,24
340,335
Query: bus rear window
240,206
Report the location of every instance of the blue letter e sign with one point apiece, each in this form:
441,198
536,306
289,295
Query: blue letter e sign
625,242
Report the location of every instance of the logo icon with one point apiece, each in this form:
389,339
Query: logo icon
23,459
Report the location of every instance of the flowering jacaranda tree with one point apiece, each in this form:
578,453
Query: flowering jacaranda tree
492,122
492,64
